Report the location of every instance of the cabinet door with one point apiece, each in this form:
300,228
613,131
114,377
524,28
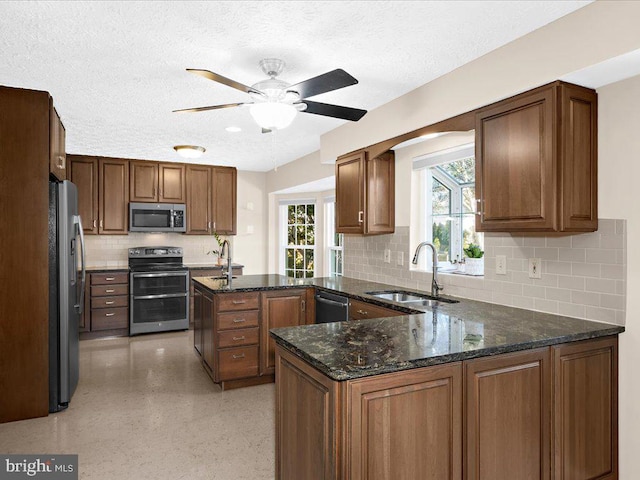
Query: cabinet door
507,416
144,182
207,350
380,199
350,194
515,164
284,308
406,425
57,155
171,183
585,420
362,310
579,152
197,321
113,196
223,204
83,172
198,202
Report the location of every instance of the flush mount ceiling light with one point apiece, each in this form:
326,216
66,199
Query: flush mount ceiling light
189,151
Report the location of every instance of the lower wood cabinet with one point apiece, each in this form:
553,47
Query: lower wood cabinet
363,310
214,271
547,413
106,310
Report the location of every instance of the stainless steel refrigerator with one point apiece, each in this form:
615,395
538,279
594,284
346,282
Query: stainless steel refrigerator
66,292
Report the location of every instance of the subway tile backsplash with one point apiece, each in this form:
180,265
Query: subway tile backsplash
583,275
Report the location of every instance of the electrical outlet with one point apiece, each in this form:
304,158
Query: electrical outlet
400,259
387,256
535,268
501,264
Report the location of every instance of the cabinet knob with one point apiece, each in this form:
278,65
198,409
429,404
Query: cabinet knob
363,312
239,320
111,302
61,161
109,290
237,339
109,314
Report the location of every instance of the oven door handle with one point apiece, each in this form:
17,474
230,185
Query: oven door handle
156,275
167,295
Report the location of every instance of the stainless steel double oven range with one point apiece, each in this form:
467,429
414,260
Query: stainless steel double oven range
158,289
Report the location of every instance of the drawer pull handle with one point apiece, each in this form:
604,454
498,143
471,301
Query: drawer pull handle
111,302
110,279
239,338
239,320
109,290
363,312
238,302
109,314
238,356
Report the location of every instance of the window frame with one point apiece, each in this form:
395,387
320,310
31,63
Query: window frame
330,235
284,235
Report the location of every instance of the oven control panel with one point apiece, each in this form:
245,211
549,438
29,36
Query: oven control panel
150,252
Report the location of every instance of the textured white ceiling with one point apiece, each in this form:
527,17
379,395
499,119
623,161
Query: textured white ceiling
117,69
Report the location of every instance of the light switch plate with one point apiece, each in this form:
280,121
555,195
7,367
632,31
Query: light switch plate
387,256
535,268
501,264
400,258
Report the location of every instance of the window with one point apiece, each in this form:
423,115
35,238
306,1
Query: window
445,196
334,241
299,249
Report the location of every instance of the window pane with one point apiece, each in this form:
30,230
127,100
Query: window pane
311,237
469,234
289,253
291,214
469,199
299,259
301,214
441,198
311,216
309,260
442,239
301,238
463,171
291,236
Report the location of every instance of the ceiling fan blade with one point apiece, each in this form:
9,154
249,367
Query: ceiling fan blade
224,80
326,82
212,107
335,111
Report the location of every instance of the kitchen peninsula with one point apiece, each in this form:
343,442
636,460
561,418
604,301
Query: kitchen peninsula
471,388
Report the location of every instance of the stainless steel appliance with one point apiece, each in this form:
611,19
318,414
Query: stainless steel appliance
66,292
331,307
158,289
157,217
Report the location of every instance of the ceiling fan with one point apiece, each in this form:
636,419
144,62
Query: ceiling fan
275,103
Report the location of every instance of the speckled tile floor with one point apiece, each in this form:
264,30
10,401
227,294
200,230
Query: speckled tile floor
145,409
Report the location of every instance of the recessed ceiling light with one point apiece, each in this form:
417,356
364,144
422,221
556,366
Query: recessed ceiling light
189,151
233,129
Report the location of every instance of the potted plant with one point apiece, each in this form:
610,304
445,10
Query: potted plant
474,261
217,251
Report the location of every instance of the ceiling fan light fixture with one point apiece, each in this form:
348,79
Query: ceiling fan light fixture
273,115
189,151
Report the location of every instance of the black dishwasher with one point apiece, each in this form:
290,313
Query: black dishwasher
331,307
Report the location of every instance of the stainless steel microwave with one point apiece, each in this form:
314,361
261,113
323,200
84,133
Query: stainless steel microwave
157,217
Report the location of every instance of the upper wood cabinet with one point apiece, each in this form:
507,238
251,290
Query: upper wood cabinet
365,194
223,197
157,182
198,202
113,196
536,161
83,172
57,155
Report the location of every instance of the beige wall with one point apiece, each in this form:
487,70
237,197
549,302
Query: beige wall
249,244
304,170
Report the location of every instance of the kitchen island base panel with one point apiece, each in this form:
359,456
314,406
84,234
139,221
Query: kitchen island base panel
243,382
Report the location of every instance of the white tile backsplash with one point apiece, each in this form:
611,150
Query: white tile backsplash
583,276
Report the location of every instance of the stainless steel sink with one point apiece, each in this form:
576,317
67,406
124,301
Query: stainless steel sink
223,277
402,296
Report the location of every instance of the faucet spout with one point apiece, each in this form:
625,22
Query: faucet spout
435,286
229,272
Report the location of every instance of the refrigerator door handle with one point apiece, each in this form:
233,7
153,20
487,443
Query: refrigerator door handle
78,221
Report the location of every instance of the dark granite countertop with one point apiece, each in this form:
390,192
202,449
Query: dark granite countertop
210,266
447,333
106,269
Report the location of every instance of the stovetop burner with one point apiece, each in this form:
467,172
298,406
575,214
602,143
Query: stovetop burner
157,267
154,259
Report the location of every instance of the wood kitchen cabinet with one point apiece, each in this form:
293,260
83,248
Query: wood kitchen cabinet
507,416
363,310
280,308
365,194
211,200
57,154
205,272
157,182
83,172
113,196
106,311
536,161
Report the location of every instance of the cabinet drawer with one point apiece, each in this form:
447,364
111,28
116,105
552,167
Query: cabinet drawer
238,362
231,320
238,301
235,338
109,278
109,290
362,310
110,302
108,318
